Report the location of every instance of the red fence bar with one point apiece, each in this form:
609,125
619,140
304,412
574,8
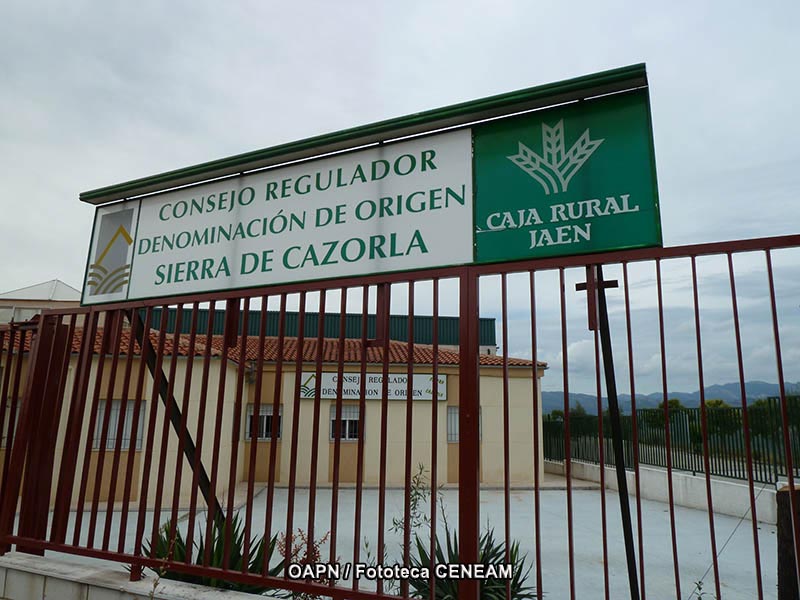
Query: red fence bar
14,464
787,443
434,435
274,429
8,337
14,459
158,376
667,432
567,436
201,414
138,402
30,521
337,430
746,428
255,431
229,333
118,436
87,448
409,434
313,476
65,347
704,426
537,512
298,382
236,421
182,430
362,407
384,301
168,415
40,409
506,425
112,348
469,432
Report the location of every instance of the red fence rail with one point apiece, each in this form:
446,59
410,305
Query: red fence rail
231,456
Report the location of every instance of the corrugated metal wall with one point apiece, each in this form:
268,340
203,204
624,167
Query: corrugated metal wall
398,326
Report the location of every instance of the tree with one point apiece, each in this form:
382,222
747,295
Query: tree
764,417
577,410
655,417
673,404
607,411
717,403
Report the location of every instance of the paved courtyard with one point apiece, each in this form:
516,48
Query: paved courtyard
737,570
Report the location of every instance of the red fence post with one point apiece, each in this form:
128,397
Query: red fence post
469,444
34,446
787,562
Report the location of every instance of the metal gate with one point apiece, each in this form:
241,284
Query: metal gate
229,436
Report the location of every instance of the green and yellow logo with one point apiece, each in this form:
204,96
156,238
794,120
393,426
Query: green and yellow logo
308,388
110,271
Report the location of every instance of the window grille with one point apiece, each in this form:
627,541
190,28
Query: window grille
262,422
349,423
113,423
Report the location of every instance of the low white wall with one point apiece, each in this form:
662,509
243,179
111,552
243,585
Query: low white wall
729,497
28,577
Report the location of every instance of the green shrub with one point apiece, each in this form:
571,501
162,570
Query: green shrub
173,549
491,552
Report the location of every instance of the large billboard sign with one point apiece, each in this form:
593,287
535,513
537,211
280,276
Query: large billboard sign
574,179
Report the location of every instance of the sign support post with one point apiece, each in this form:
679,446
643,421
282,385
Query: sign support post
595,287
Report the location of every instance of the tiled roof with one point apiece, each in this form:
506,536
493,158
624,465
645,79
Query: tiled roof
124,343
398,351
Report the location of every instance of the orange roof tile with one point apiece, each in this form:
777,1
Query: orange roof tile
398,351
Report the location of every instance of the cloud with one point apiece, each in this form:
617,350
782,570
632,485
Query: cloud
98,93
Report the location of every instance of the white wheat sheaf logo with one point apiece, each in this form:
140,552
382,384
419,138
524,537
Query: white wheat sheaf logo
557,167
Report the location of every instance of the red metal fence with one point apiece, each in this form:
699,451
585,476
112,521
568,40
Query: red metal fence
230,456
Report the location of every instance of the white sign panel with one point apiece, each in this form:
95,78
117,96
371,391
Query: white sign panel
396,207
422,386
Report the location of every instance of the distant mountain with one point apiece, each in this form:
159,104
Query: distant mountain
729,392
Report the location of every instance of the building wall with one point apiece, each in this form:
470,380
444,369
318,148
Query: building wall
492,449
220,398
23,310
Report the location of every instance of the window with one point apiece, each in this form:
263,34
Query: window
452,424
262,422
349,423
113,424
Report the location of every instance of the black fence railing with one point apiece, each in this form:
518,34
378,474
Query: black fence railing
726,442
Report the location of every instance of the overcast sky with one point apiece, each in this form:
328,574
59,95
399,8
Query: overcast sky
96,93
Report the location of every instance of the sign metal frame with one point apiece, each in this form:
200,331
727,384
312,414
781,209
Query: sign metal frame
400,130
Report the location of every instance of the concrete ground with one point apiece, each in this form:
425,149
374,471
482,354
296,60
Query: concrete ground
735,541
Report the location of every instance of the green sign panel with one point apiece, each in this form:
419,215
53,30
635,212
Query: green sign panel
575,179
